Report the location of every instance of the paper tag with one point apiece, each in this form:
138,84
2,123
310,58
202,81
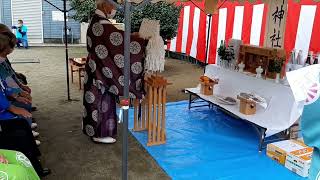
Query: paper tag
302,80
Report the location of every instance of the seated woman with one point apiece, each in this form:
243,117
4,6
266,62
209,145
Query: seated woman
6,109
20,78
15,165
9,75
10,110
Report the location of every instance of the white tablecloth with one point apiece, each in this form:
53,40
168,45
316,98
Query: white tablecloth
282,111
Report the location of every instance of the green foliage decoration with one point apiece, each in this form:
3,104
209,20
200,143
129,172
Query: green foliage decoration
168,14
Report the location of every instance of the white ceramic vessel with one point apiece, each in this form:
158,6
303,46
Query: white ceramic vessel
300,59
259,71
277,80
241,66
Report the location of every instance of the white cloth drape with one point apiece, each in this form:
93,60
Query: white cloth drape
282,111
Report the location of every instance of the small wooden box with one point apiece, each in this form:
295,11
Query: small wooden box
206,88
247,107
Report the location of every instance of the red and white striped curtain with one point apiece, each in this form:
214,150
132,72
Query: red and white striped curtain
247,22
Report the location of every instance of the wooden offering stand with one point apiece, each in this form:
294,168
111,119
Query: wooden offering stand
150,113
207,85
254,56
247,106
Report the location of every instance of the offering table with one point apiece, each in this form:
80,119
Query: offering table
282,110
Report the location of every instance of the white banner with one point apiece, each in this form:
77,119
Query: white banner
275,27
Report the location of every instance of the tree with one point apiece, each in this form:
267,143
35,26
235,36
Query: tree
84,9
168,14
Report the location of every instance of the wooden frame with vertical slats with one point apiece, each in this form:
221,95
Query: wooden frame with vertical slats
150,113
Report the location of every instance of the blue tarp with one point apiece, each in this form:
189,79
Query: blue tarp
207,144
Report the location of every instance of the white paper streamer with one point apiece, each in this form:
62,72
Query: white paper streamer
155,53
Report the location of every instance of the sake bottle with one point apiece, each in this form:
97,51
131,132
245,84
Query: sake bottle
300,59
221,48
316,59
309,59
293,57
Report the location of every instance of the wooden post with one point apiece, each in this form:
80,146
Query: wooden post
154,109
159,119
143,114
136,118
140,121
163,123
149,113
71,71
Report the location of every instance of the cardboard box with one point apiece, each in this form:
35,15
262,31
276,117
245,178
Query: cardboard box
278,151
299,161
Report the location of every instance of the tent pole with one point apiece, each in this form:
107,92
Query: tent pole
127,33
66,45
207,43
